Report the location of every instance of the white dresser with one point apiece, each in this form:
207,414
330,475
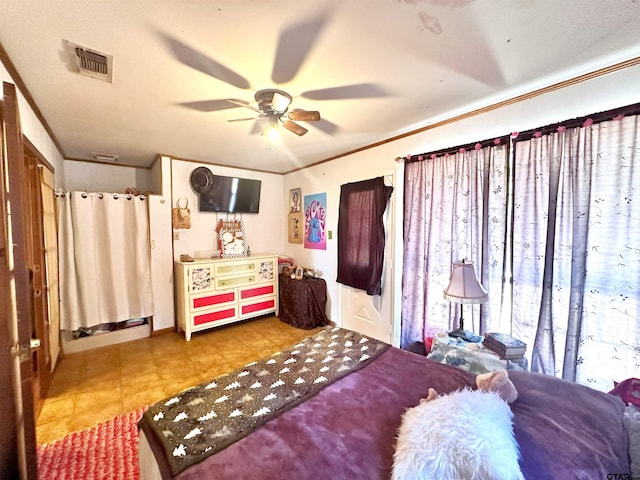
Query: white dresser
210,293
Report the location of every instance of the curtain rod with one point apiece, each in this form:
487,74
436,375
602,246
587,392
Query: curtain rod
613,114
503,140
115,196
584,121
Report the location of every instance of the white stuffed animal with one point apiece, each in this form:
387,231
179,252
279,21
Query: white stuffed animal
467,435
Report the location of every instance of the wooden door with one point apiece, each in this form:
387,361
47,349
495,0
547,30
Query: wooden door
42,361
373,315
51,286
17,430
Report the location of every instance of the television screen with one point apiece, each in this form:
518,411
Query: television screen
231,194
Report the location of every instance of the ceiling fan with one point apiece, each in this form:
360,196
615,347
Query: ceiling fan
294,44
273,107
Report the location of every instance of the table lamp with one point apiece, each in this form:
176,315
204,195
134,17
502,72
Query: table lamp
464,287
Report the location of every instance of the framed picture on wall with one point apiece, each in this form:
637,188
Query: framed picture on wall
315,221
295,229
295,199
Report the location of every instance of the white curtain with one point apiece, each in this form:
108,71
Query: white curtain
553,230
105,270
577,234
455,208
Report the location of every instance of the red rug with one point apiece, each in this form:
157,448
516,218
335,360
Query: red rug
106,451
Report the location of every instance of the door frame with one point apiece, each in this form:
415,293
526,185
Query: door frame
398,252
18,431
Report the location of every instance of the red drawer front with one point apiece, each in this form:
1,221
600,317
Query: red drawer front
256,292
256,307
213,299
213,316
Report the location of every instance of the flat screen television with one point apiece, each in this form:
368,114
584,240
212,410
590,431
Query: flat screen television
230,194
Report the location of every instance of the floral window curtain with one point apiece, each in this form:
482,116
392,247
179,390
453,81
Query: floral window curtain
576,234
455,207
361,234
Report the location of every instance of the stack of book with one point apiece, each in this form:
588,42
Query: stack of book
508,347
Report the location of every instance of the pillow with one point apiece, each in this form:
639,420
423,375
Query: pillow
628,390
466,434
632,422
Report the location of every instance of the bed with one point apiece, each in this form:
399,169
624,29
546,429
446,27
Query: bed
346,427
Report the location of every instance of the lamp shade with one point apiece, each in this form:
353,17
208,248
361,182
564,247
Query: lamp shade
464,286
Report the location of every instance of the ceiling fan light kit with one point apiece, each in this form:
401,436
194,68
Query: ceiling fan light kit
280,101
270,129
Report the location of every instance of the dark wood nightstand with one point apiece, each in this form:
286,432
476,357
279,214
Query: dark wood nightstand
303,302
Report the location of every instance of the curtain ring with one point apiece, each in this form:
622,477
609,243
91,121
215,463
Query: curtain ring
115,196
83,195
128,197
100,196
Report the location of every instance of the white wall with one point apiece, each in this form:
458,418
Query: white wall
603,93
97,177
33,129
327,178
264,231
161,246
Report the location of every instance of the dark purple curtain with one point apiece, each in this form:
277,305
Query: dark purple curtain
361,234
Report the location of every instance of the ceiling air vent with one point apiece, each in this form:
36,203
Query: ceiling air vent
92,63
104,157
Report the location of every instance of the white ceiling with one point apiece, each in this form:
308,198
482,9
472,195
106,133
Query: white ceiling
374,69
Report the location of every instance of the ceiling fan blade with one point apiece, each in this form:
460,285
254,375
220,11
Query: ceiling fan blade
243,103
294,44
294,127
242,119
208,105
359,90
257,126
304,115
201,62
326,126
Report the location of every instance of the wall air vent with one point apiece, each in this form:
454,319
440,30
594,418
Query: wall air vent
91,63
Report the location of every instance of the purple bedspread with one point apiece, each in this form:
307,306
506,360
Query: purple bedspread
566,430
348,430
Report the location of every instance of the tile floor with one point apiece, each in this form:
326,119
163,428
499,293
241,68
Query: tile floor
94,386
